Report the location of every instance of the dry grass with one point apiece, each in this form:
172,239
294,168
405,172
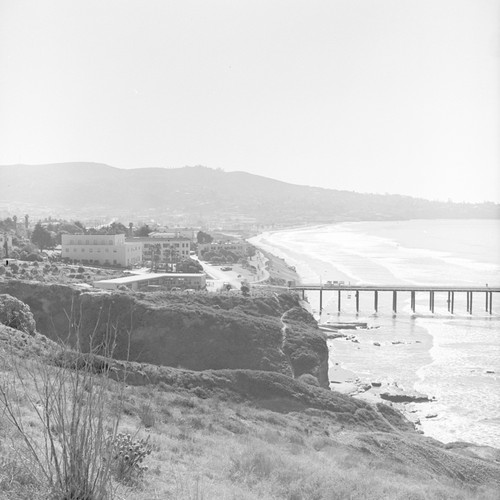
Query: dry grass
214,449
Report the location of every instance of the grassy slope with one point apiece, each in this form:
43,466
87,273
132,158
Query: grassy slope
214,438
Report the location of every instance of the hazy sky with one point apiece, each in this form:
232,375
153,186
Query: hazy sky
398,96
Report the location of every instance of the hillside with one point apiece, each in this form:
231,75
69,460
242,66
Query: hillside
226,434
197,193
198,332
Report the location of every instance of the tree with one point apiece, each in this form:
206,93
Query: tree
202,237
155,257
143,231
80,225
41,237
117,228
189,266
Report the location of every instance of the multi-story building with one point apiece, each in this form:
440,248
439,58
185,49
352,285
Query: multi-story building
103,249
168,249
238,247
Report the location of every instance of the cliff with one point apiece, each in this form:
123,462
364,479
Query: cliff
197,332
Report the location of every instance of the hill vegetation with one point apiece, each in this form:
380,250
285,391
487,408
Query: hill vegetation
86,189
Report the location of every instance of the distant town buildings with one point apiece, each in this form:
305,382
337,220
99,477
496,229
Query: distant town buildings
102,249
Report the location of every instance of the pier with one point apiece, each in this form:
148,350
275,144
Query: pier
450,292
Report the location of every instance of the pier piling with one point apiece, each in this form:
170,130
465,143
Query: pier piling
413,289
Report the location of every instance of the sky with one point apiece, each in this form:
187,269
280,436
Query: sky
379,96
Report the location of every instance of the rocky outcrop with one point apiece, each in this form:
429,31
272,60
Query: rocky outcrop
197,332
305,345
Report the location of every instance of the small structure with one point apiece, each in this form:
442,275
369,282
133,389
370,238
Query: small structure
155,281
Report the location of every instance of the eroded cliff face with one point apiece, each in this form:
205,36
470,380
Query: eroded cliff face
197,332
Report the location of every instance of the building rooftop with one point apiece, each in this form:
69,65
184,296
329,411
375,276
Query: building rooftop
154,239
145,277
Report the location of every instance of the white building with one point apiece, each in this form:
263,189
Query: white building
103,249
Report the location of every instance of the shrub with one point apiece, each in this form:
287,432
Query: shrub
81,270
147,416
309,379
128,455
14,268
2,270
33,257
16,314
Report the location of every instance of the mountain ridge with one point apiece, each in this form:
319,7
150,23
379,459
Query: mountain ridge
89,188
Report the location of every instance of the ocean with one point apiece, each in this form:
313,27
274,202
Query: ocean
454,358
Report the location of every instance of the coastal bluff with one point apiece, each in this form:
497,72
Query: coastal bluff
199,331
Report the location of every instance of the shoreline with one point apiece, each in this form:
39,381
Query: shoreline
350,380
371,349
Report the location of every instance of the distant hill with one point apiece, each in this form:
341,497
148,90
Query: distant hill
87,189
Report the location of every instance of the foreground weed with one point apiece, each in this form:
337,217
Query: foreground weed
128,456
69,441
